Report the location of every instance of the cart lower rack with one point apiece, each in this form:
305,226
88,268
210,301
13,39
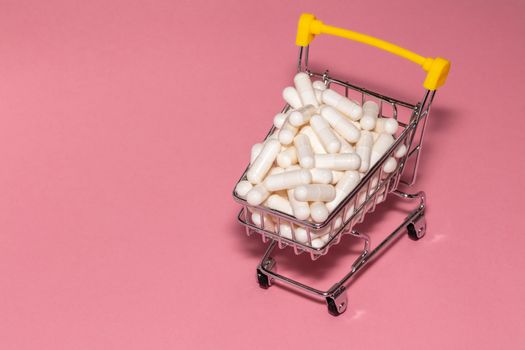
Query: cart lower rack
287,231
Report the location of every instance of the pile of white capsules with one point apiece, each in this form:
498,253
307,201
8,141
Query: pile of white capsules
321,149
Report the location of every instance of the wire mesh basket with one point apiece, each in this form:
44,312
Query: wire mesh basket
304,236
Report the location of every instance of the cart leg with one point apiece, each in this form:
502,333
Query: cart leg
337,301
417,228
267,263
416,225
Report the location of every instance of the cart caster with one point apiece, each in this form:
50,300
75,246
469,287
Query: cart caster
263,279
417,230
337,303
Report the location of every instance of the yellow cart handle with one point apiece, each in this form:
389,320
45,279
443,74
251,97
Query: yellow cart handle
437,68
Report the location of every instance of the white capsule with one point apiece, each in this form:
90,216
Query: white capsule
383,143
342,104
325,133
345,146
341,124
370,112
287,133
273,136
401,151
317,147
304,87
275,170
257,194
279,120
291,96
343,188
264,161
386,125
318,211
318,243
242,188
319,85
319,96
301,235
302,115
364,150
287,180
336,176
305,154
321,176
256,150
268,223
390,165
301,210
371,106
279,203
343,161
287,157
284,230
314,193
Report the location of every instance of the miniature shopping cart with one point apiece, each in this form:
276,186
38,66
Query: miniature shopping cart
373,188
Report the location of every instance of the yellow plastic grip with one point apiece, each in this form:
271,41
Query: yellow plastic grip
437,68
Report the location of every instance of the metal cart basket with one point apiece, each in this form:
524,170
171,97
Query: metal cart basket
373,188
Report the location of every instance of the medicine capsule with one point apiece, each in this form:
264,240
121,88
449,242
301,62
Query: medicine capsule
383,143
319,85
264,161
287,133
242,188
287,157
257,195
279,203
268,223
318,211
304,87
390,165
291,96
314,193
305,154
336,176
386,125
343,161
341,124
343,188
319,96
279,120
364,150
285,230
321,176
325,133
318,243
317,147
287,180
256,149
275,170
401,151
301,210
370,112
342,104
302,115
345,146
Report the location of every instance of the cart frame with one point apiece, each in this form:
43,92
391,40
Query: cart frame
374,188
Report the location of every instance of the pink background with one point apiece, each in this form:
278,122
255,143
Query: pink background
125,124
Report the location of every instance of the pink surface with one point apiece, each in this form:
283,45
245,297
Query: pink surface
125,124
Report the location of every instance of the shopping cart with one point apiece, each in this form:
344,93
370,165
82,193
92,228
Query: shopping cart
373,188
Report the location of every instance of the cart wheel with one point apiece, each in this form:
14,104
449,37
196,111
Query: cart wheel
414,233
263,280
333,309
